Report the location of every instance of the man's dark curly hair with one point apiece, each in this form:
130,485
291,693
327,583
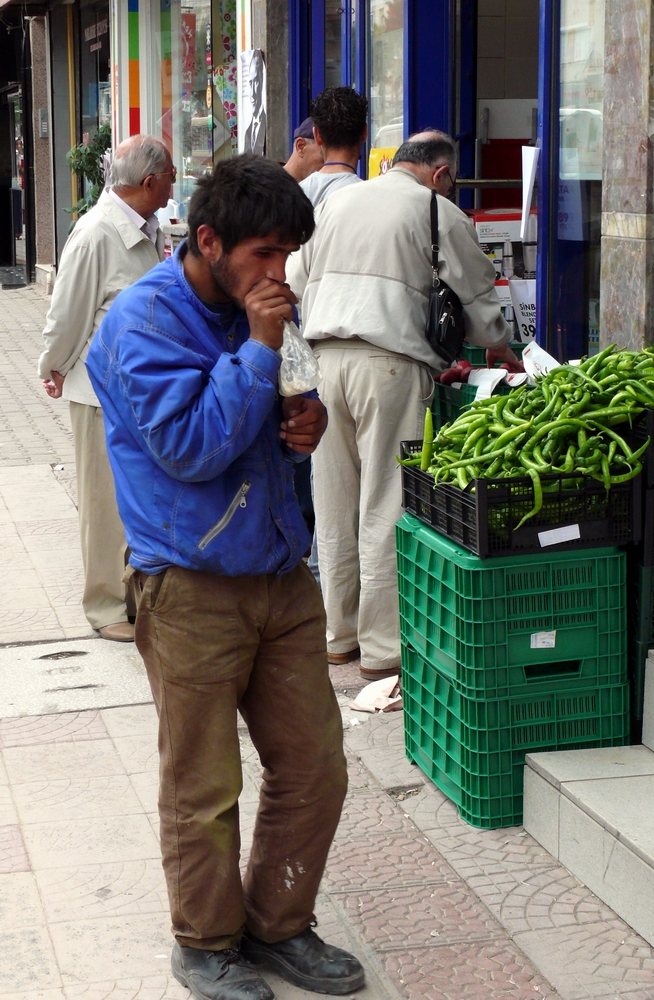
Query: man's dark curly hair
340,115
249,196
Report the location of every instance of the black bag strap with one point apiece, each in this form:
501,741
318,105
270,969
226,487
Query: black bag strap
434,240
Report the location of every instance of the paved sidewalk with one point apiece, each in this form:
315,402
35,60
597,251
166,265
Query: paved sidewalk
436,909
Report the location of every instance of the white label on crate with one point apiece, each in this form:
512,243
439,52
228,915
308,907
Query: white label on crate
543,640
554,536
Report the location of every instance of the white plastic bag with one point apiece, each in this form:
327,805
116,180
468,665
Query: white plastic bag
299,371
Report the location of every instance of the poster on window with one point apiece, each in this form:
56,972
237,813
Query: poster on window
252,103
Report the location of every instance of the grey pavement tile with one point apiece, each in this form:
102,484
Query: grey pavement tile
138,753
68,727
8,814
32,994
76,798
18,601
469,850
378,862
44,678
72,619
141,988
477,971
146,788
112,948
65,843
591,960
541,899
84,758
370,814
13,855
358,776
20,904
27,961
390,766
112,889
381,730
131,720
19,624
419,916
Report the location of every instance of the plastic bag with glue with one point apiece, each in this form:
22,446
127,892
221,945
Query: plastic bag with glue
299,371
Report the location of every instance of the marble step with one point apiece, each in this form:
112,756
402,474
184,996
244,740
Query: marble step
593,810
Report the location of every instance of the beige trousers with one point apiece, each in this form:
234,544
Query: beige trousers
102,535
213,647
374,400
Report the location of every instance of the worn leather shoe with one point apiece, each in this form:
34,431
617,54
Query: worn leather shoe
306,961
218,975
352,654
118,632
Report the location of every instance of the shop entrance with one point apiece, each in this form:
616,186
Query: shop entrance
12,193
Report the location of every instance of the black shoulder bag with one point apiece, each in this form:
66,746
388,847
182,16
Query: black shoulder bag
445,330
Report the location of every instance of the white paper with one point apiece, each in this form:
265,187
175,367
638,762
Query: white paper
486,379
570,533
542,640
536,361
523,300
529,166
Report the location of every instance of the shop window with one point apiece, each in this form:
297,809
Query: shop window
198,88
95,65
387,72
578,225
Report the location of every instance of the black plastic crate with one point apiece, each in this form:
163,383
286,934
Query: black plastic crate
483,517
642,429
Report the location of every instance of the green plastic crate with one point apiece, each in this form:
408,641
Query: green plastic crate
448,401
477,355
503,625
474,750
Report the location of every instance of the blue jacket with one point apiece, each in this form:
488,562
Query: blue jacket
192,418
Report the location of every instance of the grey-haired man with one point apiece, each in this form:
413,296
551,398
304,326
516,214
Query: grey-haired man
111,246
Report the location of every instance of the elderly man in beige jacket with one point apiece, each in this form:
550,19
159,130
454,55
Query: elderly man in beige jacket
364,280
111,246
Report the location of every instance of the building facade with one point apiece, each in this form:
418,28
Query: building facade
570,79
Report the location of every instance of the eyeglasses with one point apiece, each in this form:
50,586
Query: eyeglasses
172,173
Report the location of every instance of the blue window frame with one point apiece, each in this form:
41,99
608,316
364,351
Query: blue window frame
428,56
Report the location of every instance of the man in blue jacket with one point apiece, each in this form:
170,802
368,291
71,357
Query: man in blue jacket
229,617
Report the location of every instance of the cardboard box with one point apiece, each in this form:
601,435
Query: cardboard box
495,225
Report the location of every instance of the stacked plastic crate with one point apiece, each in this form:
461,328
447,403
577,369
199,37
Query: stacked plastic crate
522,651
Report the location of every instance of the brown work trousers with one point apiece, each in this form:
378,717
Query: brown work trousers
214,646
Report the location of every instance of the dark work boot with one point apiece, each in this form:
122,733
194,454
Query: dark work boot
218,975
305,960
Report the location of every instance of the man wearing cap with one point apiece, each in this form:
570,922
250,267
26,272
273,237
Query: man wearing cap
307,155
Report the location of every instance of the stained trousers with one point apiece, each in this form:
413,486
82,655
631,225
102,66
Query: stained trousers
102,536
375,399
213,647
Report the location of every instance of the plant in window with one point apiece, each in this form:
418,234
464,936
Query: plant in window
87,161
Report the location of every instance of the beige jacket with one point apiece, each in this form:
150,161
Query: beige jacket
367,271
104,254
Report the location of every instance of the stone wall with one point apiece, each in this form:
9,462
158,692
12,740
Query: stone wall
627,260
270,33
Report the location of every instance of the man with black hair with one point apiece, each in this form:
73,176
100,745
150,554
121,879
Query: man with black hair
229,619
340,126
365,290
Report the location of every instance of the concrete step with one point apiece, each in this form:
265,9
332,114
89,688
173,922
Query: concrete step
593,810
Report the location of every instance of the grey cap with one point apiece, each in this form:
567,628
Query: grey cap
304,130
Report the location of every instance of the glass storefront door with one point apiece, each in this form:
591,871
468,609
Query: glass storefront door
571,178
